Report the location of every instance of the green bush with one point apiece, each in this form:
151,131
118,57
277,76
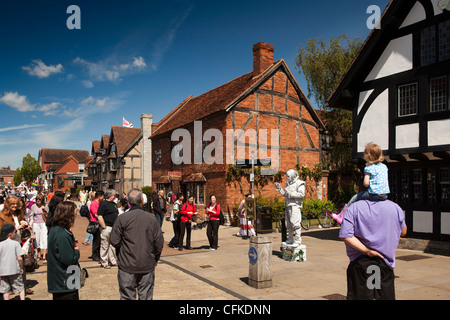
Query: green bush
313,207
148,192
275,202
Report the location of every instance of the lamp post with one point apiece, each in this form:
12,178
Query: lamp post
252,178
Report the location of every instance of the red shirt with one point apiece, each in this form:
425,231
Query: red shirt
215,215
185,216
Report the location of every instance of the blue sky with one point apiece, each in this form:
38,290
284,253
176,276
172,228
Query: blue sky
62,88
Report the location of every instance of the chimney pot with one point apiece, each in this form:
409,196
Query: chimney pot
262,57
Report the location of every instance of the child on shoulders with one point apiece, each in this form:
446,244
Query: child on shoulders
375,179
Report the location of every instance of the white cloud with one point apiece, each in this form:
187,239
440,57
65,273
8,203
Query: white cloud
87,83
49,109
21,103
21,127
17,101
109,69
39,69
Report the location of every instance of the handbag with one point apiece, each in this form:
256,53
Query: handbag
92,227
84,274
221,218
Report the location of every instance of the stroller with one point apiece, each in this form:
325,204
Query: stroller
30,254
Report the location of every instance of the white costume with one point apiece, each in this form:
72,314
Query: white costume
294,194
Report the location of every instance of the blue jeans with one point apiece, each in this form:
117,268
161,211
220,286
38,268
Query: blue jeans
89,238
365,195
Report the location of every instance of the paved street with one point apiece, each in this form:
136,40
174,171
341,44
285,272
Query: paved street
201,274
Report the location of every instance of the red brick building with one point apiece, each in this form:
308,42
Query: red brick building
61,169
266,98
7,177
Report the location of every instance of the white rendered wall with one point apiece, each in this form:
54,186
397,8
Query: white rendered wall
375,124
396,58
445,222
423,221
416,14
407,136
438,132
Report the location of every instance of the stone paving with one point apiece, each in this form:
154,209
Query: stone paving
201,274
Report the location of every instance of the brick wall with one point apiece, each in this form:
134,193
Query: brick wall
274,105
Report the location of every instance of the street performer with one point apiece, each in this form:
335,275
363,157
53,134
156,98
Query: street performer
294,194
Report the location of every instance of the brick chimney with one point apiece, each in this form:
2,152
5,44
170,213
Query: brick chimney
262,57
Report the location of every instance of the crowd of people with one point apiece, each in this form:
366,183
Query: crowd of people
47,219
123,234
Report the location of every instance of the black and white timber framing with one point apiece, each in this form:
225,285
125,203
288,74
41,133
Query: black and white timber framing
398,89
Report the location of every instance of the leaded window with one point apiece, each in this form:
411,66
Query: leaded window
407,95
438,94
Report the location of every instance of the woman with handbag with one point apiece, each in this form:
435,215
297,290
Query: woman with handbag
63,253
38,219
212,231
188,210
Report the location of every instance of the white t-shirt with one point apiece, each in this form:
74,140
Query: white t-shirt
9,251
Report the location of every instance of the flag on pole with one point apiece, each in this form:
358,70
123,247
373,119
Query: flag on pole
126,123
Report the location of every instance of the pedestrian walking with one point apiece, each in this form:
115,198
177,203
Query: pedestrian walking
159,207
89,239
212,231
11,263
371,231
246,228
56,199
38,219
63,252
175,217
138,239
93,221
107,214
123,206
188,210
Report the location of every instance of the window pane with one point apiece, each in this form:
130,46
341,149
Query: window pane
392,176
438,93
417,185
444,40
428,45
407,99
404,185
431,182
445,185
201,193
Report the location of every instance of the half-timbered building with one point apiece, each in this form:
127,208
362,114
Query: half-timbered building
398,89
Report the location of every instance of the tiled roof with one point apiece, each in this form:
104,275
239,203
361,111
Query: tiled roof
58,155
222,99
96,147
104,142
123,137
195,108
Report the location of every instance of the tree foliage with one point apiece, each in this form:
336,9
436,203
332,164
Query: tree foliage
30,169
323,65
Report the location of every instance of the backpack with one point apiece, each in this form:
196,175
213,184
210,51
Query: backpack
84,211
